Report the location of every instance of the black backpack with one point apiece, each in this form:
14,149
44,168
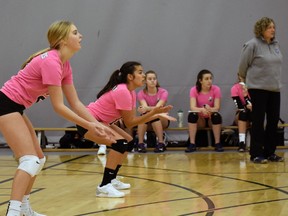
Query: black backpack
72,139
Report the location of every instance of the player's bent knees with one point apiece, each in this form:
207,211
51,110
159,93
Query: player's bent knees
193,117
216,118
29,164
243,116
130,146
42,163
119,146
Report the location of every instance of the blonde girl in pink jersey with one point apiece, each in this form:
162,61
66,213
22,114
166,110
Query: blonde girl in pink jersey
45,73
117,100
205,100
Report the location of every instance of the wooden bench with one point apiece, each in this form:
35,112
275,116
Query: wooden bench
40,132
209,130
223,127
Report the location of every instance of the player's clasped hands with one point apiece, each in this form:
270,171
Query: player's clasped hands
162,109
162,112
103,131
166,116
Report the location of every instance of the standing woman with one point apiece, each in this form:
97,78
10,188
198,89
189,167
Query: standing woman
261,65
45,73
152,96
205,100
117,100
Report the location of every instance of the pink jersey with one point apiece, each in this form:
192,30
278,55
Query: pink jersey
107,108
237,90
152,100
33,81
202,99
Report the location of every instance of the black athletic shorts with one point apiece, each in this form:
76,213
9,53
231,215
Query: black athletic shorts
8,106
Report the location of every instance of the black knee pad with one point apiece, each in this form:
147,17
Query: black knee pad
193,117
242,116
130,146
119,146
216,118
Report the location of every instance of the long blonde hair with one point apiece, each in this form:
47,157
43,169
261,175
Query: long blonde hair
57,31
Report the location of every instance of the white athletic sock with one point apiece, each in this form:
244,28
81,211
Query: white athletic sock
242,137
14,208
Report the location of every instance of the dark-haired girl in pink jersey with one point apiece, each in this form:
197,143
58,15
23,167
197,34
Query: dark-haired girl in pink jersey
205,100
149,97
117,100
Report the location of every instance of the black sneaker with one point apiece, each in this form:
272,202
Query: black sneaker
218,147
160,147
275,158
259,160
242,147
141,148
191,148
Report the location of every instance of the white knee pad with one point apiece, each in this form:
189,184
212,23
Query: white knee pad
42,163
29,164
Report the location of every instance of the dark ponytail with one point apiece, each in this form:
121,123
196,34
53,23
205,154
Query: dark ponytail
119,76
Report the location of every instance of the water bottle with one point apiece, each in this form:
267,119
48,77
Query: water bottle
180,118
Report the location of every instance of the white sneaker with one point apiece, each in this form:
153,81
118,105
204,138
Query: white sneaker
102,150
120,185
30,212
108,191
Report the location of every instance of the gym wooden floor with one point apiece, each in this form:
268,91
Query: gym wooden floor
173,183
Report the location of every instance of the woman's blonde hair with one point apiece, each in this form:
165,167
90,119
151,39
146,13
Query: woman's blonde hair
57,31
261,25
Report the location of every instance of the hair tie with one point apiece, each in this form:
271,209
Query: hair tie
119,73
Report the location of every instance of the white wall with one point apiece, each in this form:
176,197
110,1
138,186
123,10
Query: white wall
176,38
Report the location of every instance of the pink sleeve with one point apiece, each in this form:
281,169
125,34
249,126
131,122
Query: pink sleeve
193,92
163,94
53,73
217,92
68,75
123,98
234,91
140,95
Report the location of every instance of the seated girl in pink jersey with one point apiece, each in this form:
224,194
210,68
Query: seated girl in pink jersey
205,101
117,100
240,96
46,73
149,97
